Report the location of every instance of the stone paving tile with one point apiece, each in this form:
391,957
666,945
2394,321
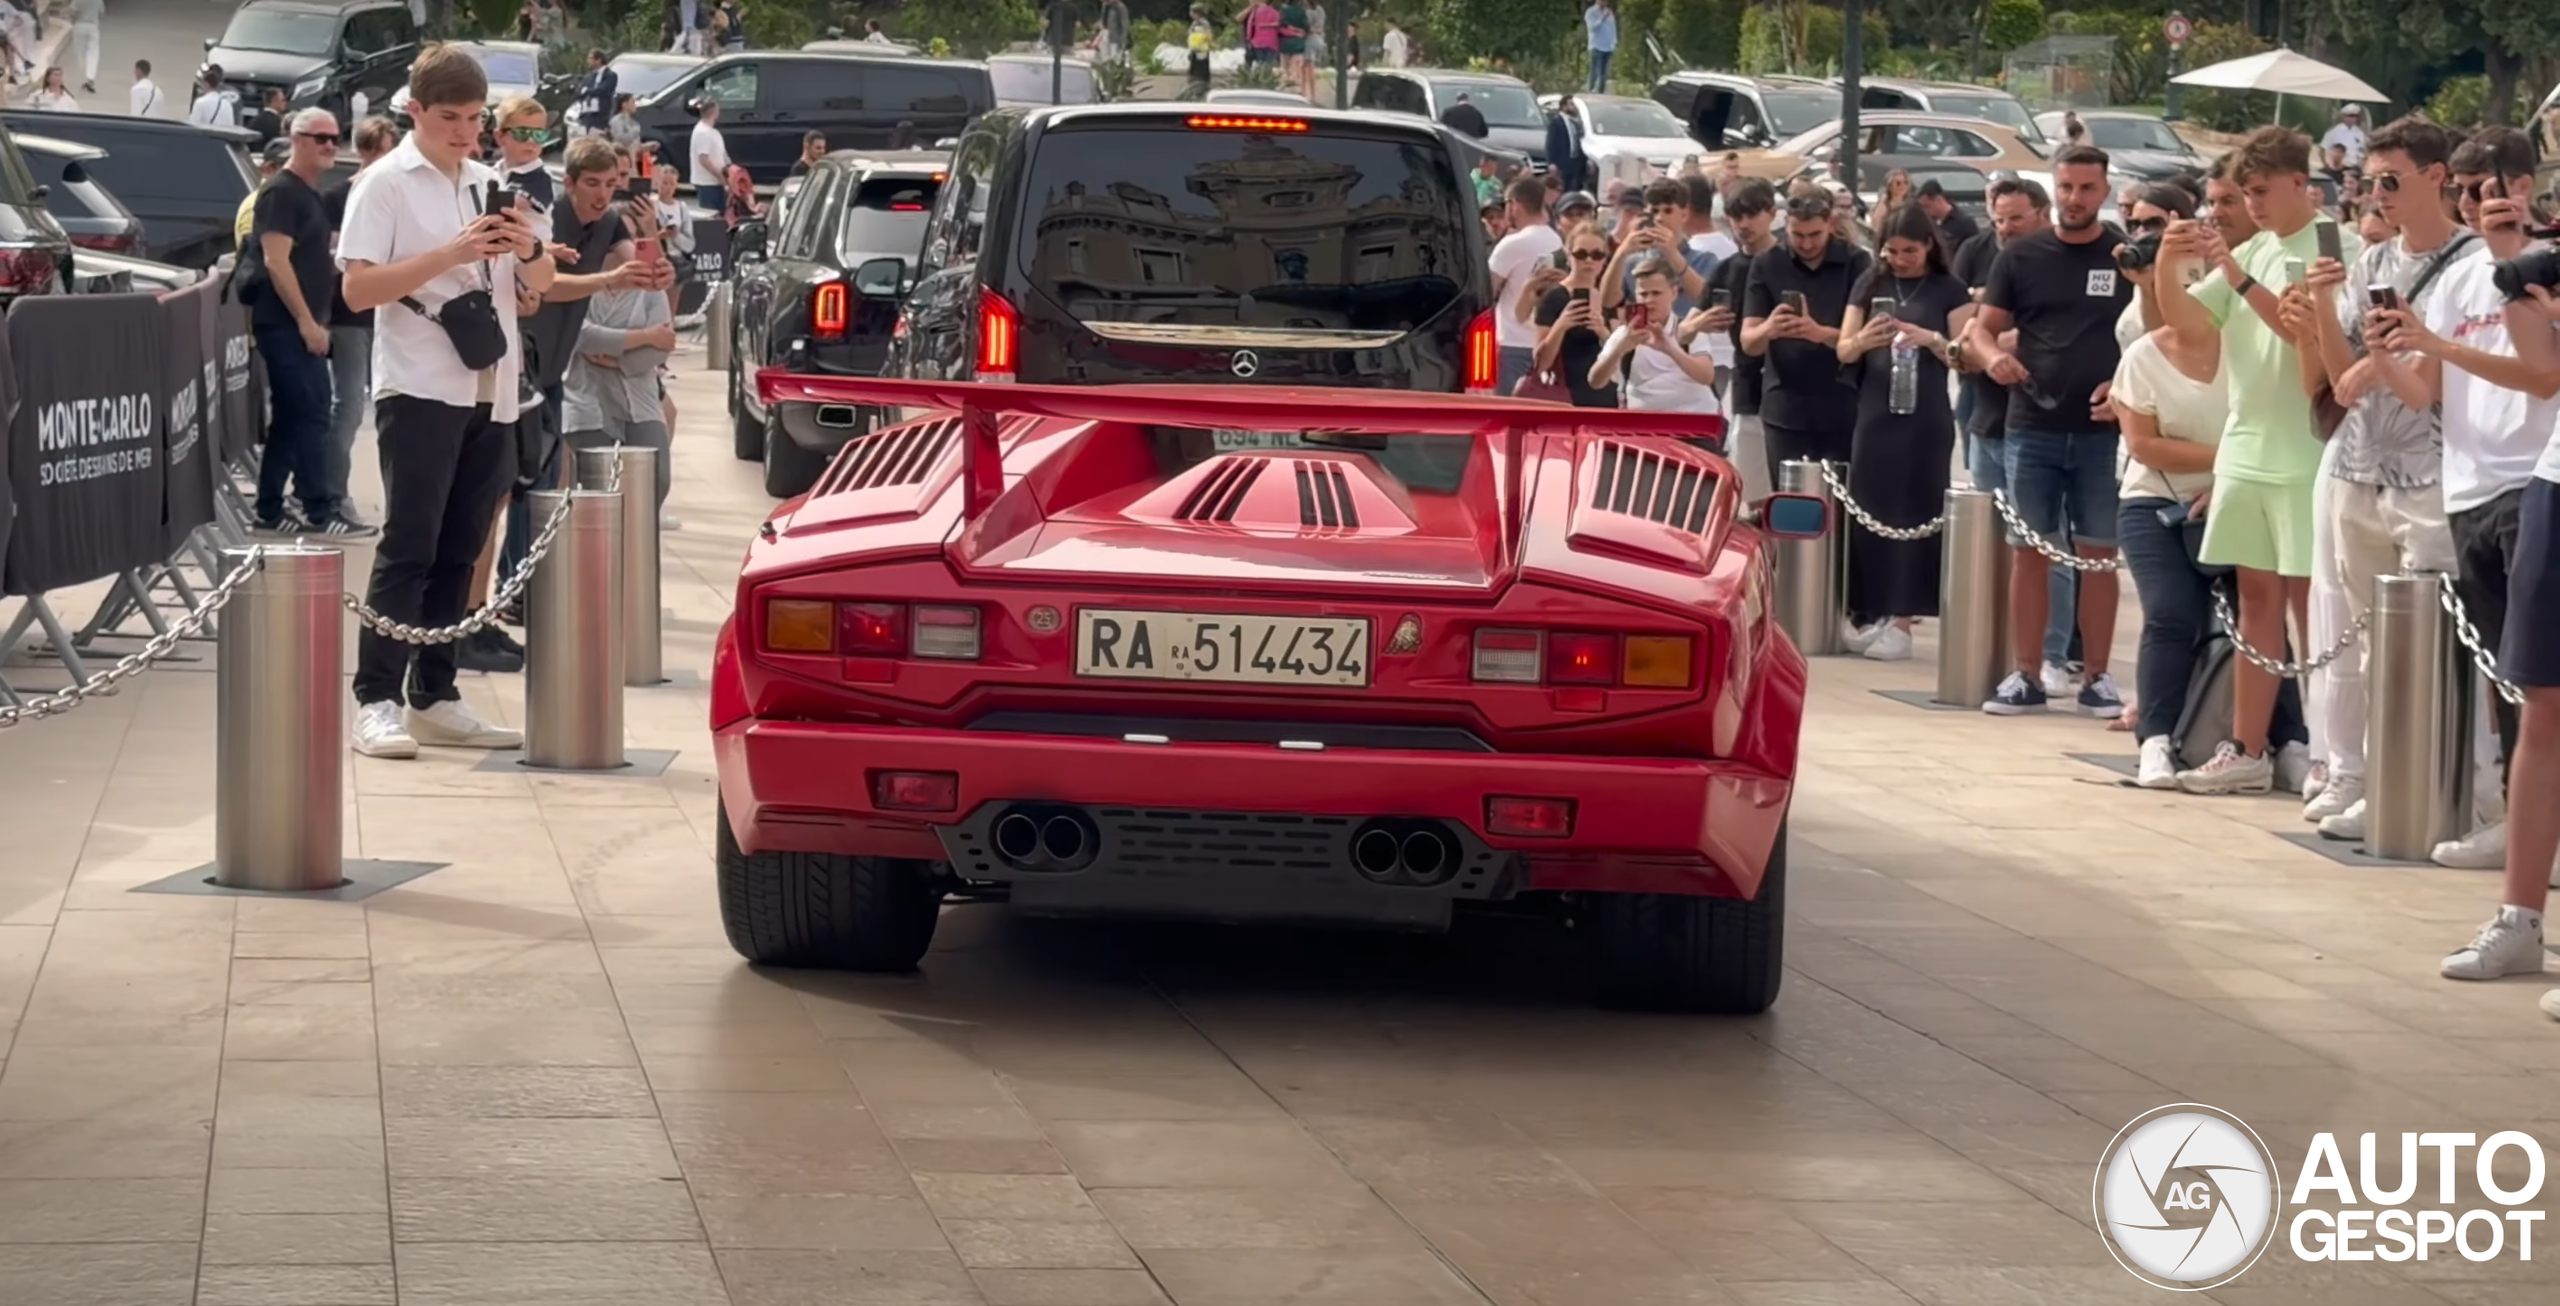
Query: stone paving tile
540,1077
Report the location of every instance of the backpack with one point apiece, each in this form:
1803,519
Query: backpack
2204,721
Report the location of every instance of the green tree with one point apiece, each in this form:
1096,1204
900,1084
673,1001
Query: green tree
2009,24
973,27
1803,38
1706,33
1513,30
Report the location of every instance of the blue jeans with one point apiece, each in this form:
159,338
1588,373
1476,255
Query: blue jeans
1600,70
350,381
2177,615
2063,480
1510,365
297,426
1985,461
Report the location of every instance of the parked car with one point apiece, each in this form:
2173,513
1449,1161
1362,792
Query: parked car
89,214
35,252
1149,241
1622,134
793,303
320,52
1913,142
2137,144
96,272
1025,79
769,99
184,180
1950,99
1229,654
1256,95
1729,111
1514,125
513,68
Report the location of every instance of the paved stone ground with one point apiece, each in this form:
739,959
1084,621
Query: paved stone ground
538,1077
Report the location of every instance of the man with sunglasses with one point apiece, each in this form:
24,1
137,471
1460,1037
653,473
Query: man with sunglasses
290,318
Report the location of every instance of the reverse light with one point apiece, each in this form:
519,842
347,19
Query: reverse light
830,310
1483,355
999,337
915,791
1529,818
799,625
876,630
946,632
1579,659
1509,656
1218,122
1657,662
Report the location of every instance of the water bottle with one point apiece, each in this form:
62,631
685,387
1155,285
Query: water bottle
1905,396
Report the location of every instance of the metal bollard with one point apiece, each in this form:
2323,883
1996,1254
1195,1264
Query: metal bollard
1973,600
2418,741
715,327
641,660
1810,591
280,724
573,637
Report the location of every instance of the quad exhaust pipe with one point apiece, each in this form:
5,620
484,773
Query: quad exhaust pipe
1035,838
1404,853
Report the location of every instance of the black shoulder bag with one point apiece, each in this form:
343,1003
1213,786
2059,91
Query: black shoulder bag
470,321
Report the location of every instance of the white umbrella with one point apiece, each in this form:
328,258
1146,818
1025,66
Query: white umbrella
2285,73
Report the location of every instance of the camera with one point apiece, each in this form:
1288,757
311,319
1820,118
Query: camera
2139,253
2534,267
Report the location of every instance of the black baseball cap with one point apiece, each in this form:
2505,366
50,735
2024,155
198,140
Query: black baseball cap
1577,199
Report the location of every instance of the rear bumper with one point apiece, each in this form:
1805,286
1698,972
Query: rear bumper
1640,824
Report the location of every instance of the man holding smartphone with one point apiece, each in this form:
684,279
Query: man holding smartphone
1798,293
418,246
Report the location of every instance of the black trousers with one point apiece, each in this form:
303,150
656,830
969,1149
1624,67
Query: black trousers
443,469
2484,551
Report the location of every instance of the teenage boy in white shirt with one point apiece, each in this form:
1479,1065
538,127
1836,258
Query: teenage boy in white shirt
420,245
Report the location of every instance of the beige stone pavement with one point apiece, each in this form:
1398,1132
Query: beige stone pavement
539,1077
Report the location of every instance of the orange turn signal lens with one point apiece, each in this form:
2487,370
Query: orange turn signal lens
800,626
1657,661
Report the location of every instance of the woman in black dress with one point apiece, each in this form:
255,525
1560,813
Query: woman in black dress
1570,314
1898,460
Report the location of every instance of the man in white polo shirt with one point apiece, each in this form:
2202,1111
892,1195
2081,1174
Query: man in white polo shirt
709,151
422,243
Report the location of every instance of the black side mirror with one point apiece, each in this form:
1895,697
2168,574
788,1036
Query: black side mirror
881,278
748,239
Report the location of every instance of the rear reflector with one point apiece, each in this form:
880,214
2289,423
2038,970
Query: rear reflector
1509,656
876,630
1483,362
1214,122
829,310
1529,818
1578,659
1657,661
999,337
915,791
799,625
946,632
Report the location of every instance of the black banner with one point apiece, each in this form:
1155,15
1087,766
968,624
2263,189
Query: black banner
241,384
85,445
710,248
192,378
8,412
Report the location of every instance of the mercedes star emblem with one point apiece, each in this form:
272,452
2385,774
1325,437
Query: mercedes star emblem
1246,363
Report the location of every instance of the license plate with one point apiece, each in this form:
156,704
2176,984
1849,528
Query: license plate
1113,642
1230,440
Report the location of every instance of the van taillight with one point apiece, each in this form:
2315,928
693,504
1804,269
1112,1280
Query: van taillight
830,308
1483,356
999,337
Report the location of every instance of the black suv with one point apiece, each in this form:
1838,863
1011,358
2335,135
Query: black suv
321,53
794,304
1166,242
769,99
185,181
35,254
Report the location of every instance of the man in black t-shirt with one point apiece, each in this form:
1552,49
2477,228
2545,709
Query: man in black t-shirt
1750,210
1954,227
350,340
289,315
2062,292
1791,318
1464,118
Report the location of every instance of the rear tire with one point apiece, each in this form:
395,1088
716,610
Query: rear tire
789,470
744,430
823,910
1670,952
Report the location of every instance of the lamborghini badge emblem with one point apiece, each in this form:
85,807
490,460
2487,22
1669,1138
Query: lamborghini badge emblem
1408,636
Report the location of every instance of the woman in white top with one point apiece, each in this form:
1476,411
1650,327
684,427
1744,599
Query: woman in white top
54,96
1655,370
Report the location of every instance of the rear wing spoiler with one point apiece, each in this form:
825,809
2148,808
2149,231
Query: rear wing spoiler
982,405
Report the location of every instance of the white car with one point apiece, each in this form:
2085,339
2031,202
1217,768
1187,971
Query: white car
1627,137
512,67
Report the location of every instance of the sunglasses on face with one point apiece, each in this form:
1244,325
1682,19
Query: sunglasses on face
528,135
327,140
1591,256
2148,224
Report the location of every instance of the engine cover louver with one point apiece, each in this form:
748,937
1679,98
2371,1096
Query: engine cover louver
1640,483
1324,497
901,455
1218,495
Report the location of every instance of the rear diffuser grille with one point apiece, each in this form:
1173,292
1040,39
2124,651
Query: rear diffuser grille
1218,495
902,455
1639,483
1324,497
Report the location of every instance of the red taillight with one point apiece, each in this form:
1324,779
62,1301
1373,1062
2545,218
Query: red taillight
999,337
27,271
875,630
830,308
906,208
113,244
1219,122
915,791
1529,818
1484,355
1576,659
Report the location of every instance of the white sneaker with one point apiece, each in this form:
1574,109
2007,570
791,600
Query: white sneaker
1891,644
2314,784
2057,681
2347,825
2347,791
2551,1004
2484,849
2230,771
2293,767
452,724
667,523
2159,767
379,733
1858,639
2510,944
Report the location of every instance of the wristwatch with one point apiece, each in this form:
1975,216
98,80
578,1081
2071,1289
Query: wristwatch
2247,284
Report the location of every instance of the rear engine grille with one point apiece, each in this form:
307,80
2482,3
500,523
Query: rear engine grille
1142,839
1222,491
1641,483
1324,497
898,456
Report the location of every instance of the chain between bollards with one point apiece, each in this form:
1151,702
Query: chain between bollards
499,600
1904,534
2486,660
132,664
2278,666
2053,553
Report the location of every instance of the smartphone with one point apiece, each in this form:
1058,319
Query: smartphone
499,200
2383,298
2327,234
1720,299
647,251
1882,307
1639,318
2294,271
1794,299
1560,261
1578,296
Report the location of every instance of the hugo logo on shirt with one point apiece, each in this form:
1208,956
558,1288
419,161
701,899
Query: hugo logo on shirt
2102,283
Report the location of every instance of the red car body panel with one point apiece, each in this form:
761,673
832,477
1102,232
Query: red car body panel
1033,503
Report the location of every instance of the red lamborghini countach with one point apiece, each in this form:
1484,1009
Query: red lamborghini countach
1260,654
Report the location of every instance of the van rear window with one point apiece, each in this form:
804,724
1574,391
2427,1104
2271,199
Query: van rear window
1326,230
